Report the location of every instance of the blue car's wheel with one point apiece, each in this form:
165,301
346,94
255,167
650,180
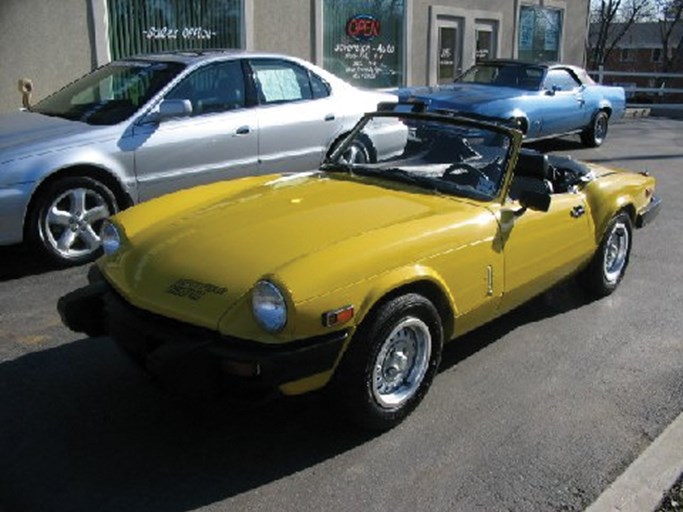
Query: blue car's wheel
594,135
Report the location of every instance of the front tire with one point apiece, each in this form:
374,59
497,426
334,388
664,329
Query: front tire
391,362
596,133
67,217
608,266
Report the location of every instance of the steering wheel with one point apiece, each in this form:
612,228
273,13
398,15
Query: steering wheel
465,174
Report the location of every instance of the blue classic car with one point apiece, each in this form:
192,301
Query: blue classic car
542,100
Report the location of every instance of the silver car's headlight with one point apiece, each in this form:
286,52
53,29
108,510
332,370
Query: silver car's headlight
269,306
110,237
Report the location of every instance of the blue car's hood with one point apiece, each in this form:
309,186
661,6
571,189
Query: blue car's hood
24,133
461,95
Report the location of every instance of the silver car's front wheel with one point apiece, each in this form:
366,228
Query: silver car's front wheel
68,218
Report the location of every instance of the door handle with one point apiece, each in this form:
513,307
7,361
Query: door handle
243,130
577,211
329,117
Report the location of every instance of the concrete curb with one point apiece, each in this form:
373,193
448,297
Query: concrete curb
645,482
637,112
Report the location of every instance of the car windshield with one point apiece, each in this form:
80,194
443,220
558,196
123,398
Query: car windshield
440,154
504,75
110,94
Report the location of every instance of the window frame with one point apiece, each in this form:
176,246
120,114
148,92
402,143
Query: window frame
249,96
566,73
302,71
548,5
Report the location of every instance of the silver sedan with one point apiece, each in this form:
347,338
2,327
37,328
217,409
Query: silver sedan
141,127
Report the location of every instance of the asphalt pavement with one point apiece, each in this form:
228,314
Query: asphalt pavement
563,404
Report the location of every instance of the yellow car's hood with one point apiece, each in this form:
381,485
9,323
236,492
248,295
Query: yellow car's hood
194,254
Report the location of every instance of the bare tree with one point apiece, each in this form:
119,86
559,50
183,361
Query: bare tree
610,20
671,16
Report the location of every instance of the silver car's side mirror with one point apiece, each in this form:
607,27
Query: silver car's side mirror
174,108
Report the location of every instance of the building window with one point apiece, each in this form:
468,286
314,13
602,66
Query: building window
363,41
140,26
626,55
486,37
540,31
656,55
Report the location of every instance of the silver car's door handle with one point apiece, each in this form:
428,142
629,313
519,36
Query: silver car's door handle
577,211
243,130
329,117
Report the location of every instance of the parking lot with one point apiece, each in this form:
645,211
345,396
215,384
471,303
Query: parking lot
540,410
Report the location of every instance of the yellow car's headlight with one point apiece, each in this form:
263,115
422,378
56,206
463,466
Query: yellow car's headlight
269,306
110,237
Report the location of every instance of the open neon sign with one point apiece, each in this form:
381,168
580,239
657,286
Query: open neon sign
363,27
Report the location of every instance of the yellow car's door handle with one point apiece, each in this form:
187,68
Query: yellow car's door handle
577,211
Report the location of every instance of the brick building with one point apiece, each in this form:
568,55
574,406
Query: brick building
641,51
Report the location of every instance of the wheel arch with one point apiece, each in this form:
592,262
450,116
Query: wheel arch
123,198
363,136
604,107
429,286
622,204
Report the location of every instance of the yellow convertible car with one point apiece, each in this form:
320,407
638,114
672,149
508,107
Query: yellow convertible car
352,277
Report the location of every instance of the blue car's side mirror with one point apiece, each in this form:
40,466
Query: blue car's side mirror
553,90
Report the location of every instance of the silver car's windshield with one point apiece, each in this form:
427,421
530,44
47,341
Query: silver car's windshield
450,156
110,94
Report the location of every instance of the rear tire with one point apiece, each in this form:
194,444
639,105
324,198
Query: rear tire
608,266
66,219
596,133
390,363
356,153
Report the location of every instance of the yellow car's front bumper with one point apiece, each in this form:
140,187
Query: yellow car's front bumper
166,347
649,213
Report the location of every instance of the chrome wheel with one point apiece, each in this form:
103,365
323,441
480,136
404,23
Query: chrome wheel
609,263
600,129
616,252
390,362
401,363
356,153
72,222
596,133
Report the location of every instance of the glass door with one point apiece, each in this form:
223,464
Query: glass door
449,57
486,34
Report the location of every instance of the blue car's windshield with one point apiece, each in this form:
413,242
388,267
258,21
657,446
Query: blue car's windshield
449,156
504,75
111,93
